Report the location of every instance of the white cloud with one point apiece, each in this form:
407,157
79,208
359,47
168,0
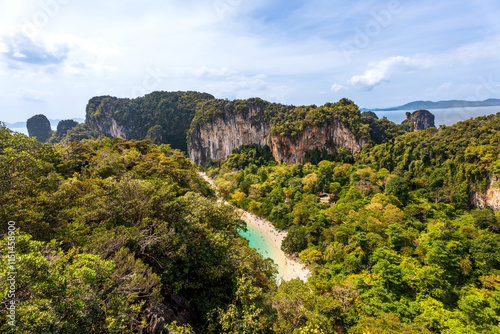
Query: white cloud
336,87
237,85
445,86
62,53
381,72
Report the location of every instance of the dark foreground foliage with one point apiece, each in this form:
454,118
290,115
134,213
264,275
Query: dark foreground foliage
117,236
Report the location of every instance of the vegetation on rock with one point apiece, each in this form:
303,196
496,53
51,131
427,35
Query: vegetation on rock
162,117
64,126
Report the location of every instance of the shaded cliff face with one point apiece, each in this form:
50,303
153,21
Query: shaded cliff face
418,120
218,138
39,126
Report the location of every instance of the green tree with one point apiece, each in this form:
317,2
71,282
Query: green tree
398,187
295,241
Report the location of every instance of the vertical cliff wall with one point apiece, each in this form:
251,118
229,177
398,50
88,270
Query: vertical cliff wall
489,198
218,137
293,151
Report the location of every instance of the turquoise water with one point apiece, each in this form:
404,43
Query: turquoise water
263,245
258,240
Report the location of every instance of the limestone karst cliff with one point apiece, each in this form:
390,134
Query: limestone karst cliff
418,120
228,125
162,117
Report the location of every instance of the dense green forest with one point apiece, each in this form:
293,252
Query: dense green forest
112,236
122,236
397,248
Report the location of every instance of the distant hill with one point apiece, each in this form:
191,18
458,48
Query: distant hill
441,105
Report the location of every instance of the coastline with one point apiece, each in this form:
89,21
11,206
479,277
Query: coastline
291,265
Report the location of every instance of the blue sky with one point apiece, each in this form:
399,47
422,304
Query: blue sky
57,54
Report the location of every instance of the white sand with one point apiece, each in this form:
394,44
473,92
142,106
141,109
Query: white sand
292,267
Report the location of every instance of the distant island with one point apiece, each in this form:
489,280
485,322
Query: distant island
53,122
441,105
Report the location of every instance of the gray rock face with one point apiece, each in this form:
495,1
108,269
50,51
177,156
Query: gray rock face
39,126
489,198
419,120
217,139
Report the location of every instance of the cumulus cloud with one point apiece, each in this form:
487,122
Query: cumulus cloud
62,53
337,87
384,69
379,73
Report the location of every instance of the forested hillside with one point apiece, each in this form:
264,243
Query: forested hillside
117,236
393,242
122,236
162,117
167,117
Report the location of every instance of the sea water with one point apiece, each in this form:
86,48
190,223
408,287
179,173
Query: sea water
265,246
446,116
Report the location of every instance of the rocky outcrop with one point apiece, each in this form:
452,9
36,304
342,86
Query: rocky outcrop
292,151
64,126
217,138
489,198
162,117
39,126
418,120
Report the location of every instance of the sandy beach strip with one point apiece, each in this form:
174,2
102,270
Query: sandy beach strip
292,267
